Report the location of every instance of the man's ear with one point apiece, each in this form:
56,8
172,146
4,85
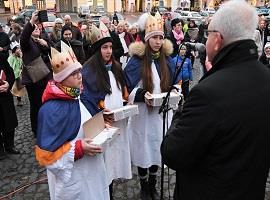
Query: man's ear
218,43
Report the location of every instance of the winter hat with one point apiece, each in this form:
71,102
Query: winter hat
99,36
58,21
64,63
267,45
153,26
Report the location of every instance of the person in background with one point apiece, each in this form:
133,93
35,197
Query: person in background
8,117
75,166
16,33
55,36
265,57
32,47
176,35
76,33
76,45
126,39
134,29
262,29
15,61
4,42
219,144
185,75
167,25
118,49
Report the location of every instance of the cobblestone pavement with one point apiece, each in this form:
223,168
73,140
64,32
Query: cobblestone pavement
22,170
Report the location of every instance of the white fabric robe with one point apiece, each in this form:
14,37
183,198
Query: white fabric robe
117,153
145,129
83,179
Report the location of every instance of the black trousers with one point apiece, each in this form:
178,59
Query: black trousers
144,171
185,88
35,92
6,140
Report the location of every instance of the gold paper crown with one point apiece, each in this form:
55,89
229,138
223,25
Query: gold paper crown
154,23
61,61
99,33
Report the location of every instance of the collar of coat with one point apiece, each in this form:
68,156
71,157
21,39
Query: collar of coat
233,54
138,48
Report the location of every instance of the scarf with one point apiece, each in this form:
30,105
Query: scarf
72,92
156,55
108,66
178,36
122,39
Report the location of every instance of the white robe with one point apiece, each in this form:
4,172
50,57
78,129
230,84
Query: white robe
83,179
145,129
117,153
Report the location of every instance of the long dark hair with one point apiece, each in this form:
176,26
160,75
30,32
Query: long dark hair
103,80
147,78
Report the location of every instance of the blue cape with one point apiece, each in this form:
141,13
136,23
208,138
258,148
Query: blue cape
59,121
134,67
91,96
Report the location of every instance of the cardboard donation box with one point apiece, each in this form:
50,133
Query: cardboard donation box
94,128
157,99
123,112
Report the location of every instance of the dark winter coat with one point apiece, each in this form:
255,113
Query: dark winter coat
220,144
118,50
4,43
8,117
32,50
77,47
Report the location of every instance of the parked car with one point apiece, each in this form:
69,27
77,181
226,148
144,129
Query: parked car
20,17
83,10
180,9
204,14
192,15
210,10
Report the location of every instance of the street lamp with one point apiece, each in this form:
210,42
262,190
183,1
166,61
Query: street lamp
13,6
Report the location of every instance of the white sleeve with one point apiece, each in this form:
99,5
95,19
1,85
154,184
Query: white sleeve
62,168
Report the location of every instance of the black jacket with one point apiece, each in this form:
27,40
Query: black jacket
4,43
118,50
220,144
31,50
8,117
76,46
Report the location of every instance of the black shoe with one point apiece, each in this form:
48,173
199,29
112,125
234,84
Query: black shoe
12,150
2,155
144,193
152,187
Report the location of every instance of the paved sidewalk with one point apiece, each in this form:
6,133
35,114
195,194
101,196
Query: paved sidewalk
21,170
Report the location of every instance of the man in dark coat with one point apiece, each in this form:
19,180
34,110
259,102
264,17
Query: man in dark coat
8,117
220,144
76,45
4,42
118,49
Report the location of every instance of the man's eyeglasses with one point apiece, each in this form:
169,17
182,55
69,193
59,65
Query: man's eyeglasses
76,74
212,31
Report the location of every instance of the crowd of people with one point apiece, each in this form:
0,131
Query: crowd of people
217,141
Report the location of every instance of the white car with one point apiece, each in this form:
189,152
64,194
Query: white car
83,11
210,10
192,15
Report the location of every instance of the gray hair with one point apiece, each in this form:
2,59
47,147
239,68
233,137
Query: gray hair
235,20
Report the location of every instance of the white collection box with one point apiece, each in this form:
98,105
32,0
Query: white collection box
157,99
124,112
95,129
